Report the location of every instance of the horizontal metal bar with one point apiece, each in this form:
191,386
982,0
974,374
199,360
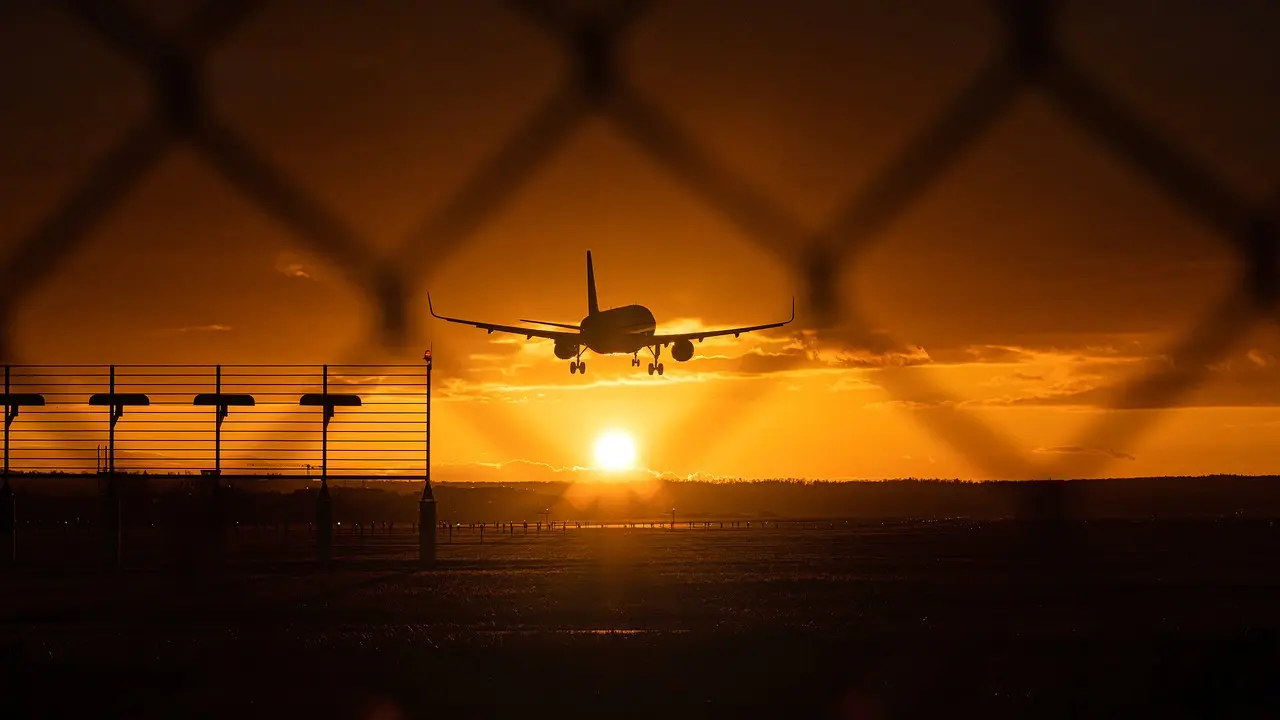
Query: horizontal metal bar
179,474
124,367
16,431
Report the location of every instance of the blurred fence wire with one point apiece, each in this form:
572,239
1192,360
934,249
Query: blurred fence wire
1030,59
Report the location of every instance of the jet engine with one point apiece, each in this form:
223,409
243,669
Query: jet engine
566,350
682,350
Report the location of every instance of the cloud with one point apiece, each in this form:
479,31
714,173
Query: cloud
503,471
982,354
1086,371
1077,450
1260,358
297,265
760,354
811,349
486,390
211,328
849,359
1025,349
215,327
1089,390
849,382
928,404
866,359
521,470
759,362
857,347
1248,379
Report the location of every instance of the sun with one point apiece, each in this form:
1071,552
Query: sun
615,451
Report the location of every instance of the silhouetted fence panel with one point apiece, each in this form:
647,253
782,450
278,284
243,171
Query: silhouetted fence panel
232,420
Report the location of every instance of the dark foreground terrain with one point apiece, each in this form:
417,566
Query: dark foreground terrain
902,619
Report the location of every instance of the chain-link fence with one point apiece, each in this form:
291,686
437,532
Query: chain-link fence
1029,59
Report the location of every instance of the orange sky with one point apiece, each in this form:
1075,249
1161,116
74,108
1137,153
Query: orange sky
1032,277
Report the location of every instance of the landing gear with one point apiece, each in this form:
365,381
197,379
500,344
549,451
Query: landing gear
577,366
653,366
635,359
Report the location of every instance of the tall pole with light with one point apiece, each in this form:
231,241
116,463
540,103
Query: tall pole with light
326,401
427,503
8,521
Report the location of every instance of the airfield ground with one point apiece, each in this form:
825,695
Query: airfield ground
866,619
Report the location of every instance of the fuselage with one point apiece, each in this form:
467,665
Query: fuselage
618,330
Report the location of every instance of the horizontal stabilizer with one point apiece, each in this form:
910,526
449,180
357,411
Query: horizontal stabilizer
553,324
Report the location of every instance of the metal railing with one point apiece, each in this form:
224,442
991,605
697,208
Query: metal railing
231,420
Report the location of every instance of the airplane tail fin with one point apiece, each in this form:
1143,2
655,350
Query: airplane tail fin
592,306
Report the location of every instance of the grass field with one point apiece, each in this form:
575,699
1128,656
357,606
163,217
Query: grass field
901,619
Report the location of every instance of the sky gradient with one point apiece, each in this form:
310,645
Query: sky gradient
1036,275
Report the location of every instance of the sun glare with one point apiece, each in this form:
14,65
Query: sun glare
615,451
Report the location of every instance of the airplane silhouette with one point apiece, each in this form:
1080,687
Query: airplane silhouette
618,331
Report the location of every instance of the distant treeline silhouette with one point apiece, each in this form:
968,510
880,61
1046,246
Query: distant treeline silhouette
186,499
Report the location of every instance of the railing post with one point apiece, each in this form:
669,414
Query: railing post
219,413
218,498
111,496
427,527
324,504
214,531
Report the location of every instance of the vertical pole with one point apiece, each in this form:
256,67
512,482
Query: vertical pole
217,499
111,429
324,429
427,503
8,420
8,523
324,504
111,498
218,410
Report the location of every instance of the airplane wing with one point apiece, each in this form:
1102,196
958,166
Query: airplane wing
704,334
529,333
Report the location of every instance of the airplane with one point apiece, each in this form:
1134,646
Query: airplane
617,331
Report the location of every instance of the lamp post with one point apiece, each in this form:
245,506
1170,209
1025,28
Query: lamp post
115,404
324,504
427,503
221,403
8,520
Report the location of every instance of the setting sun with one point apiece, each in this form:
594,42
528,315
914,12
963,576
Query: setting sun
615,451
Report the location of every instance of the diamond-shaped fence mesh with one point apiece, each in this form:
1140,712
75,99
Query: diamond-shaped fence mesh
596,86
